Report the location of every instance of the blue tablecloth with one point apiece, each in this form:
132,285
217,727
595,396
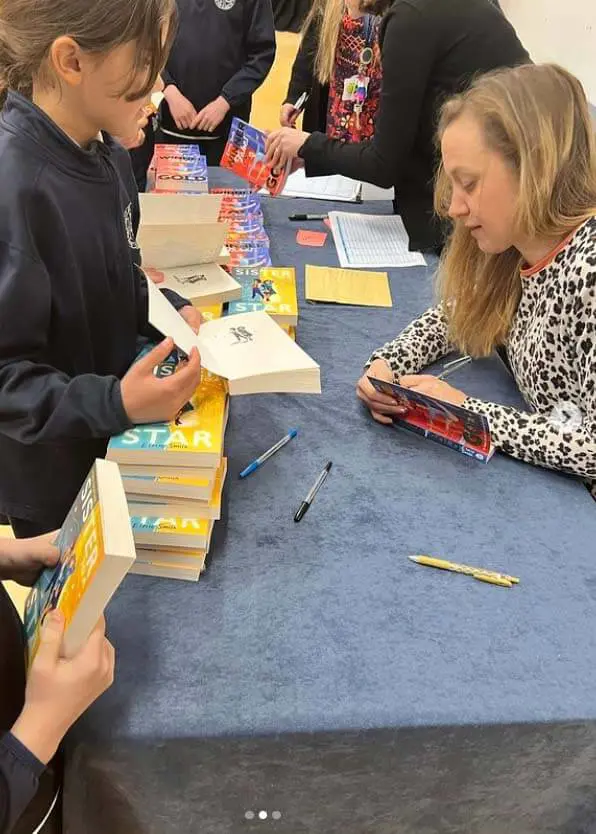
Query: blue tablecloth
315,668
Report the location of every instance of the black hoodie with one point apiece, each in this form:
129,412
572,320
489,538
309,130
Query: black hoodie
222,48
72,303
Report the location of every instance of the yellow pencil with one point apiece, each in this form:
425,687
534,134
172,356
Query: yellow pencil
443,564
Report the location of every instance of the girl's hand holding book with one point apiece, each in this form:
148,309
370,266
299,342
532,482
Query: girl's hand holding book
433,387
149,399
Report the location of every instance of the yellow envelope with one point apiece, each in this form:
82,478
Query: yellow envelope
348,286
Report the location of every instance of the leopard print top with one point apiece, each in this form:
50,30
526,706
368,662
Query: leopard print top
552,351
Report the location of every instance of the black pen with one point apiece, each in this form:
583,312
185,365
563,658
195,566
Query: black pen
307,217
303,508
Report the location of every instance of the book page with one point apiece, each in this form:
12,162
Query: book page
369,240
199,280
168,246
347,286
179,209
249,345
168,321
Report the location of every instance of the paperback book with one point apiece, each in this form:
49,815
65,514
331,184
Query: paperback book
96,552
442,422
245,154
269,289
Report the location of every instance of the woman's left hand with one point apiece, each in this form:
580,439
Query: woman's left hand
433,387
192,317
283,145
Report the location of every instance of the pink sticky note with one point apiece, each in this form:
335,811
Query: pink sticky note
308,238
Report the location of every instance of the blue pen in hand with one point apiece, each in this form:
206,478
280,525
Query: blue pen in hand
252,467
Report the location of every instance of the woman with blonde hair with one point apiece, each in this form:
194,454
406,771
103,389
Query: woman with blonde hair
339,66
518,181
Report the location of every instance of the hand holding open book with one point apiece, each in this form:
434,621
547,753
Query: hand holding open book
250,350
150,399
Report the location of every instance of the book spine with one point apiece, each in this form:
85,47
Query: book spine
444,441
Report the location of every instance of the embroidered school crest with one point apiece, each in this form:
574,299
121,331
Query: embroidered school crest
225,5
130,234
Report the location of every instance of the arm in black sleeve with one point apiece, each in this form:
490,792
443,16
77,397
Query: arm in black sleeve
260,51
38,403
167,78
407,59
19,777
303,69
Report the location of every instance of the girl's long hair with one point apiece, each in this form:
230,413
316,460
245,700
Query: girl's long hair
326,16
537,118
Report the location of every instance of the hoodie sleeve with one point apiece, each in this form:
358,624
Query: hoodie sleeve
38,403
19,777
260,51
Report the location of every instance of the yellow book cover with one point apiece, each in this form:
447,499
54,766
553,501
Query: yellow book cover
194,439
153,505
154,531
96,551
271,289
211,311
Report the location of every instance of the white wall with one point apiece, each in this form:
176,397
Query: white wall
563,31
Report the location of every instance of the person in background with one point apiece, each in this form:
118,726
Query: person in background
222,53
518,181
73,299
36,714
142,146
339,66
430,50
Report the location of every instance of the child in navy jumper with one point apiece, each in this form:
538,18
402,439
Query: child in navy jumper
73,299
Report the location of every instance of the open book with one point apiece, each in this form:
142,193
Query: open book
250,350
181,230
445,423
202,284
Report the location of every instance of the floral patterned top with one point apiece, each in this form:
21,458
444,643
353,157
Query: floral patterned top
343,121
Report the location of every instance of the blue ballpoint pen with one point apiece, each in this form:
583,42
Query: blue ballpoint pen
266,455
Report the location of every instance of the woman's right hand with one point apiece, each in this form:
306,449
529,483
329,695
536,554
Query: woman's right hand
287,115
382,407
59,690
150,399
182,110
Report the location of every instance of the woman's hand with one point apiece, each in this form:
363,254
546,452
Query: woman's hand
382,407
433,387
283,146
22,560
287,115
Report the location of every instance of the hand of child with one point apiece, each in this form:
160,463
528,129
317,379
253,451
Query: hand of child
182,110
192,317
211,116
287,115
382,407
22,560
58,690
150,399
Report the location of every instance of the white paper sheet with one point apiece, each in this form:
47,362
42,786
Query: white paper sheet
369,240
334,187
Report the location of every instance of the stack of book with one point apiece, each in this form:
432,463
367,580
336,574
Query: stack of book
247,241
179,169
173,476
